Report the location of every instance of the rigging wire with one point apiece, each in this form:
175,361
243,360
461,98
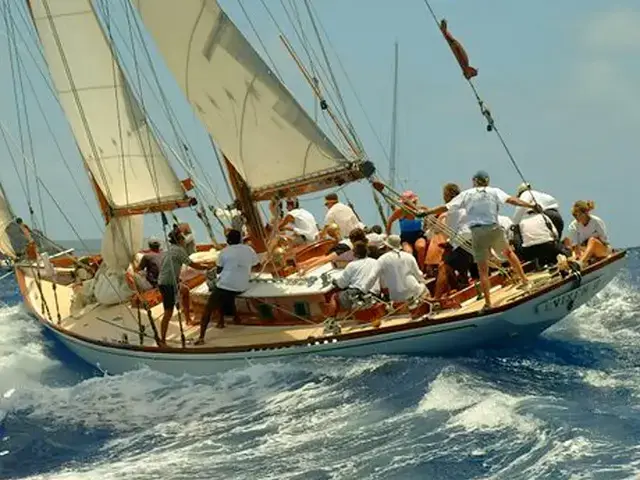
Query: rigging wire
21,72
332,76
47,81
310,53
262,44
78,102
354,90
14,81
486,113
176,127
163,102
115,71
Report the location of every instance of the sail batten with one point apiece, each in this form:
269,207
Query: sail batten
118,147
263,131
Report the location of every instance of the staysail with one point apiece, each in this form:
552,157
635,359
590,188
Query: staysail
120,150
263,131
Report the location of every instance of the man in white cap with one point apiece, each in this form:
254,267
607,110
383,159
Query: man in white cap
399,272
548,203
482,204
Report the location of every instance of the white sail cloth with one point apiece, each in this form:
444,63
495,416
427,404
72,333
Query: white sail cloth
111,131
6,218
258,124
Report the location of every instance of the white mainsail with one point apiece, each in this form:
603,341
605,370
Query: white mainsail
6,219
110,128
260,127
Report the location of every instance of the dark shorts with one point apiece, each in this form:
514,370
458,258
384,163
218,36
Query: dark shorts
411,237
168,293
223,299
544,254
461,261
556,219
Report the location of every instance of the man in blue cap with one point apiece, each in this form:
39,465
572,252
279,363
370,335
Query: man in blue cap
482,204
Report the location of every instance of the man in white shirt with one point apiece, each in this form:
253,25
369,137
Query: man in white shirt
548,203
359,277
482,204
539,240
340,214
399,272
234,266
300,222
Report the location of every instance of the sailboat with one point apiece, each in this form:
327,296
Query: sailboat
271,148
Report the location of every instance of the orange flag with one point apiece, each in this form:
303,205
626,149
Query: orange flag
458,51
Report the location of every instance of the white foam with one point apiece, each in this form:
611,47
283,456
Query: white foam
610,317
475,407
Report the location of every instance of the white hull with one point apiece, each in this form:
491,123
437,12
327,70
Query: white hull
527,318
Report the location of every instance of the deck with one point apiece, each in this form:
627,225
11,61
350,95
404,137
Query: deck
119,323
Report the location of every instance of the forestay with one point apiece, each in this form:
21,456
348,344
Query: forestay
110,128
260,127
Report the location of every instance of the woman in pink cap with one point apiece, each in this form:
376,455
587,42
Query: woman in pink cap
411,230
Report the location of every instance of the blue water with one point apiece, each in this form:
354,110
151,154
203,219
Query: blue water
563,406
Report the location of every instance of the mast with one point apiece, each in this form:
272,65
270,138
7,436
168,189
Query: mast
249,208
393,150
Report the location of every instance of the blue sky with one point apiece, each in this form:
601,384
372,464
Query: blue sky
561,79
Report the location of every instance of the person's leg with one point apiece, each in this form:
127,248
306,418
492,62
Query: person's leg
515,264
420,247
442,280
499,244
210,307
595,248
232,307
185,303
168,302
485,285
481,240
331,307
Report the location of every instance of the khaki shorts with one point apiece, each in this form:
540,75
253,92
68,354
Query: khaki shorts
486,237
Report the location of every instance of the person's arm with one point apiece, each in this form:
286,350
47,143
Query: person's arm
142,265
436,211
521,203
571,240
285,221
200,265
392,218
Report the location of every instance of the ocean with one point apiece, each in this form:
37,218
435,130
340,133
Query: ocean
565,405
